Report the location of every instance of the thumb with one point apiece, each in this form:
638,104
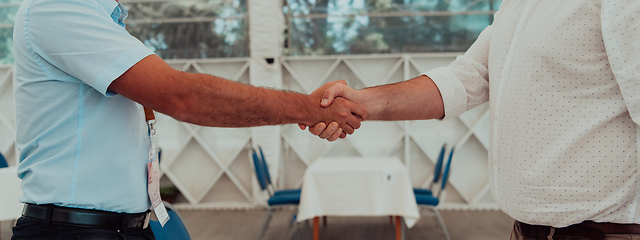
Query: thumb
337,90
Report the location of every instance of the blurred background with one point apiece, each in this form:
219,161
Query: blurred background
187,29
299,45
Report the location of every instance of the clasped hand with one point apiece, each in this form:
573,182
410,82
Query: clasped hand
340,115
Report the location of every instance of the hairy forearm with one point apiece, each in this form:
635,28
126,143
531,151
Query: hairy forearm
212,101
414,99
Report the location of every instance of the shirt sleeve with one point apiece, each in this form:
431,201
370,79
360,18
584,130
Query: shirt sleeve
620,29
80,38
464,83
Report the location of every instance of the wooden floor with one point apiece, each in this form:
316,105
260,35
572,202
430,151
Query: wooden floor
241,225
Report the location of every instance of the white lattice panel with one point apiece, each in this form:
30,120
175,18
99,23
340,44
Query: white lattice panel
7,115
416,143
211,168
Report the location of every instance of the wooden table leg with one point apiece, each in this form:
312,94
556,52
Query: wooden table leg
316,228
398,228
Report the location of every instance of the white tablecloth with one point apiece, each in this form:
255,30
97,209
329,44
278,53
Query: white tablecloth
10,191
371,186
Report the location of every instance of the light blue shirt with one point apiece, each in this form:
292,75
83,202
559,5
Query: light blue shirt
80,144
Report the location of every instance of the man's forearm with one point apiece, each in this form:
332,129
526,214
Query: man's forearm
224,103
212,101
414,99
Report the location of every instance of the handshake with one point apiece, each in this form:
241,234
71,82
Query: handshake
337,111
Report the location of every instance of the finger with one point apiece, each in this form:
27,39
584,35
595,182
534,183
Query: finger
335,136
348,129
320,91
318,128
329,131
354,122
343,135
360,111
302,126
337,90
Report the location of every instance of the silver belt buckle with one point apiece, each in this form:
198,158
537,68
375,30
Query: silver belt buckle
146,220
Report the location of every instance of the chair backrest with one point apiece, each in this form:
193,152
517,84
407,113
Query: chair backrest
445,173
265,167
258,167
438,168
174,229
3,162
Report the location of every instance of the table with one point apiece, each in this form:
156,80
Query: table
358,186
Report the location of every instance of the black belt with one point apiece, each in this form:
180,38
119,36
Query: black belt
84,217
587,229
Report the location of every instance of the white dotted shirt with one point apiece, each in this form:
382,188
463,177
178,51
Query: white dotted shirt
563,81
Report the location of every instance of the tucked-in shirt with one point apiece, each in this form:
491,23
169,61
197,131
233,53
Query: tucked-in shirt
563,82
80,144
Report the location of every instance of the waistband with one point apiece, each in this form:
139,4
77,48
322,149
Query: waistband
51,214
587,229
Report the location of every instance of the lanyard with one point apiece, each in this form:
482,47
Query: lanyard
148,114
153,186
151,121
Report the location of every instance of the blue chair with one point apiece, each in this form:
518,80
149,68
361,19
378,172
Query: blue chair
429,201
271,187
3,162
174,229
436,174
274,201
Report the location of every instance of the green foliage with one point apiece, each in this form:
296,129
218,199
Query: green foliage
194,39
168,190
8,9
361,26
173,29
6,45
180,35
177,33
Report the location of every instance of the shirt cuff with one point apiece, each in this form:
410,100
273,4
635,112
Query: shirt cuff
454,95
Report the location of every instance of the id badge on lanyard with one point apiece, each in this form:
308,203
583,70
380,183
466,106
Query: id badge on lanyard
153,184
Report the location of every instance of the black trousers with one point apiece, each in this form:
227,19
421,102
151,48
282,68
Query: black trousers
27,229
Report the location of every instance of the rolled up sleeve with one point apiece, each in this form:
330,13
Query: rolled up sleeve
464,83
